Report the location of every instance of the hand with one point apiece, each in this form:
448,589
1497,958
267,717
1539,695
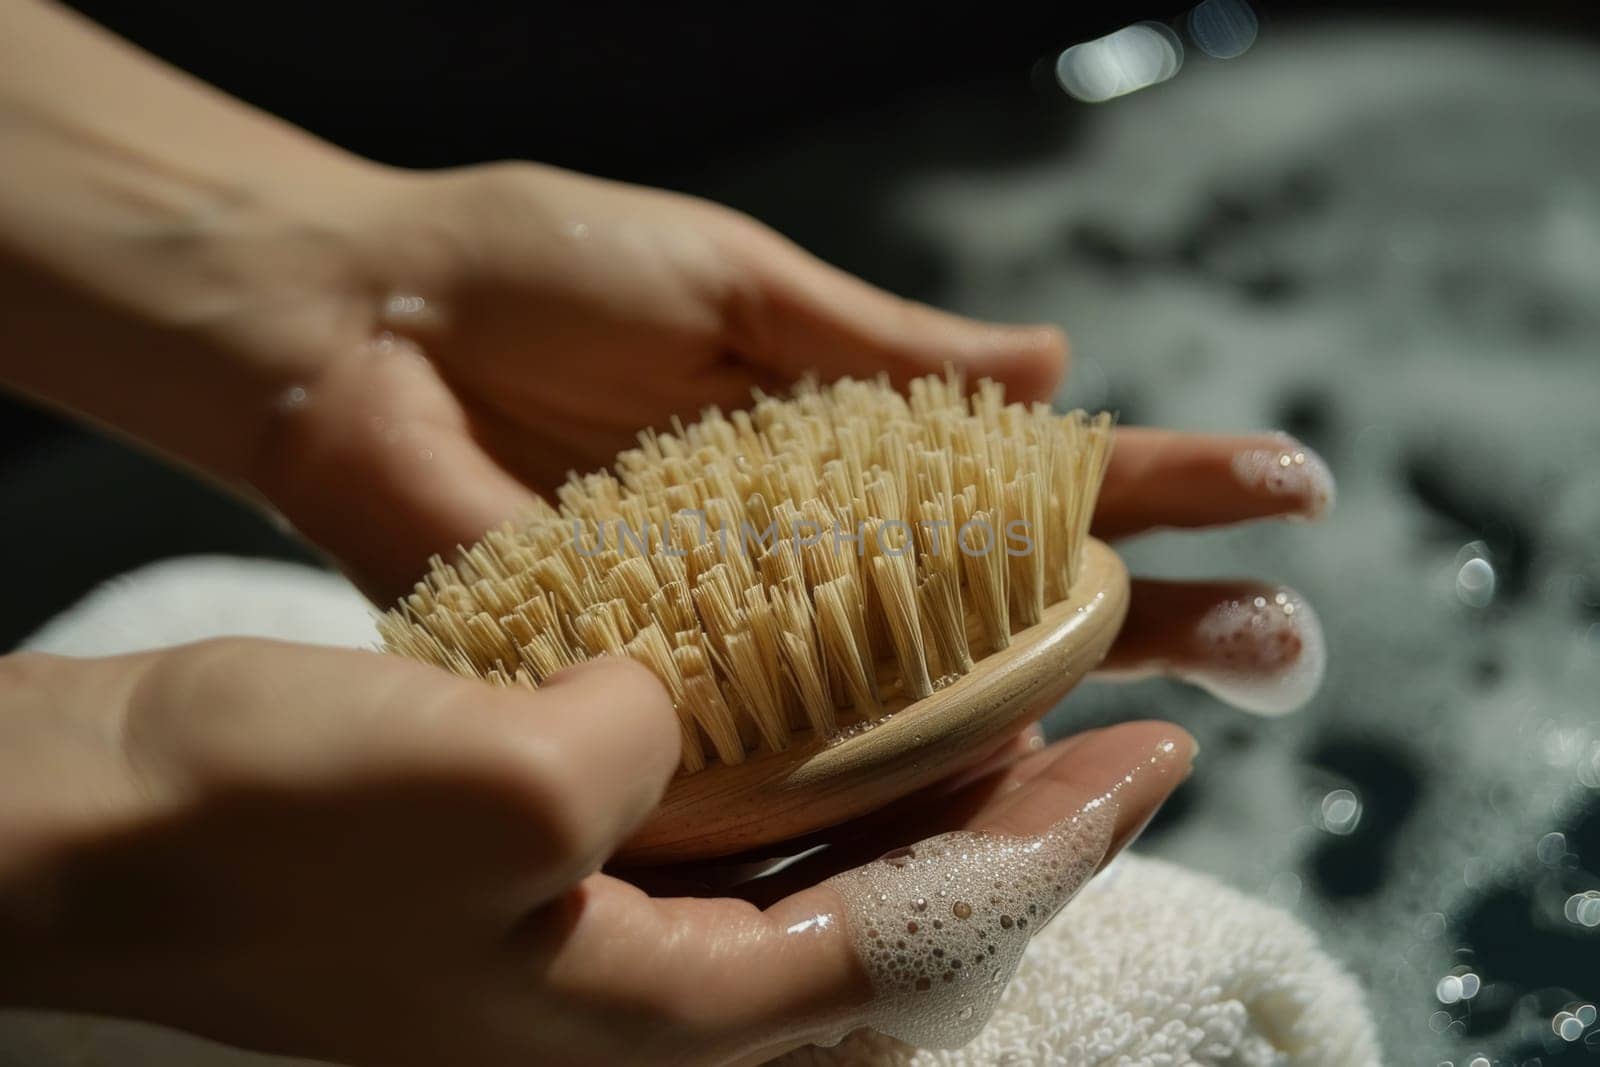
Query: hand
353,857
519,322
516,322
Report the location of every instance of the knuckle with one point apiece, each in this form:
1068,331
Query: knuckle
202,671
558,781
504,177
545,794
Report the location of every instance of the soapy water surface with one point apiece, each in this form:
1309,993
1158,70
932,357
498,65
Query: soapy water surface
941,926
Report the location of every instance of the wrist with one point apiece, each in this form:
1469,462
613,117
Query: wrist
171,258
175,312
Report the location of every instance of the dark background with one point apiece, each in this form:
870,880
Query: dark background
679,97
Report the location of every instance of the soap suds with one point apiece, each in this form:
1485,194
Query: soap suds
1267,653
941,926
1292,470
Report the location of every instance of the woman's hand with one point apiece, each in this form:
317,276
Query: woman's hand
520,322
357,858
516,322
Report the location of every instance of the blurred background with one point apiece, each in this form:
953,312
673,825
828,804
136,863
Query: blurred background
1376,227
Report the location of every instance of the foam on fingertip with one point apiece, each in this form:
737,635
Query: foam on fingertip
1290,470
941,926
1264,653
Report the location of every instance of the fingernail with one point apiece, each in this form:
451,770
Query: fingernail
1289,469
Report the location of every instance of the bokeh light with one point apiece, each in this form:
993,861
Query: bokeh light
1133,58
1223,29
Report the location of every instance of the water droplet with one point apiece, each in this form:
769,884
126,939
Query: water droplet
404,305
293,399
961,909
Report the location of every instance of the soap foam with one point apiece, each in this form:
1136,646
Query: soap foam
1292,470
1266,653
941,926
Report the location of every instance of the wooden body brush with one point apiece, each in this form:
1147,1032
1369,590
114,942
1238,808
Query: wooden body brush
849,593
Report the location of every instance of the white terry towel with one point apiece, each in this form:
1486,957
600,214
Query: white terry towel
1151,965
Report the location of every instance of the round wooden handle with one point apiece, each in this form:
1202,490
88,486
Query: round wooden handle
817,783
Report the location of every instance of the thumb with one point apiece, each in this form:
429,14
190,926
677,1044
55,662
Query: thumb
806,316
602,741
382,470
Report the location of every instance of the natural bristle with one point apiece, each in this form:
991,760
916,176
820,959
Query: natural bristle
788,571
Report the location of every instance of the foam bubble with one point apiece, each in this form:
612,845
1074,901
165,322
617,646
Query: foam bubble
941,926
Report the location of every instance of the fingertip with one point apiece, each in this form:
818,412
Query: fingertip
1135,765
1264,654
1288,475
1170,479
609,671
1030,361
619,683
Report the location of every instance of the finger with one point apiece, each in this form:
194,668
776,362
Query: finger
1258,647
985,804
571,736
471,785
802,315
754,874
551,756
1165,478
764,980
1135,765
378,443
